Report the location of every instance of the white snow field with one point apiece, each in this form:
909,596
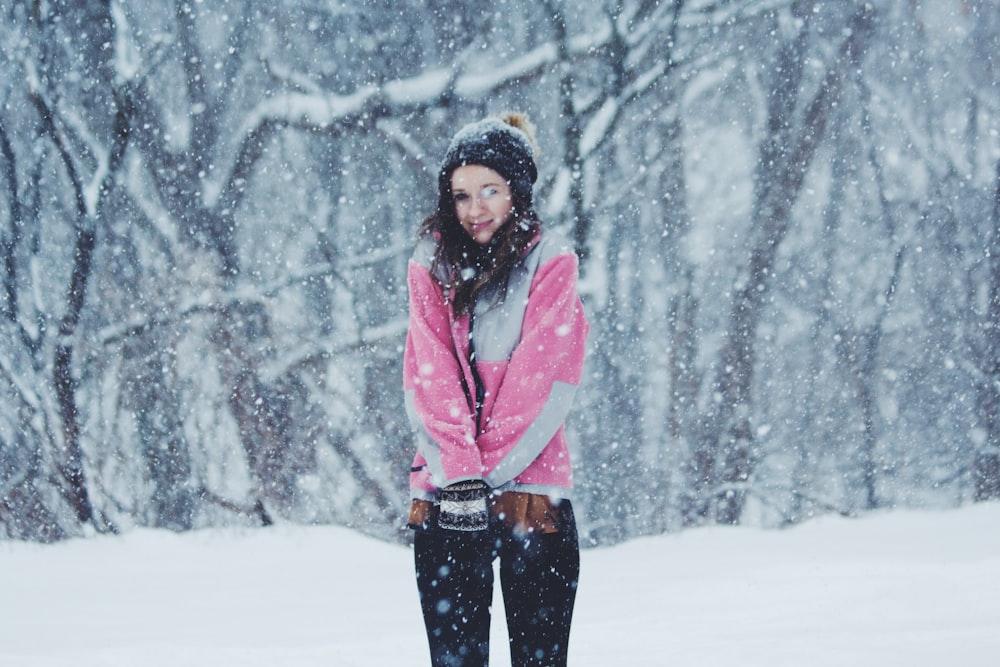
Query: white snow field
902,588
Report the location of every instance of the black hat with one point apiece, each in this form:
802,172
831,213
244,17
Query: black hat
504,144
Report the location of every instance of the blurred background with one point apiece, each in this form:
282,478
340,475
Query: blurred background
787,214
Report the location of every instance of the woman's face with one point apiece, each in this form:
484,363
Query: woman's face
482,201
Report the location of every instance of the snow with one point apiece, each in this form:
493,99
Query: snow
902,588
473,85
598,127
422,88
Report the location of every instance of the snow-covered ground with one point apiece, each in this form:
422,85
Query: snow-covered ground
895,589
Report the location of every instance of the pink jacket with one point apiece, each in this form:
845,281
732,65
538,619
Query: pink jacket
529,351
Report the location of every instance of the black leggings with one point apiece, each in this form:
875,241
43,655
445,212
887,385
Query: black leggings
538,577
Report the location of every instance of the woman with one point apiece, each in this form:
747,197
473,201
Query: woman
493,358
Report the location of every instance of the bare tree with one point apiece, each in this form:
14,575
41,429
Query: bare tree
986,470
726,459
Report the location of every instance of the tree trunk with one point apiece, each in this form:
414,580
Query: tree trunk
726,461
73,482
986,471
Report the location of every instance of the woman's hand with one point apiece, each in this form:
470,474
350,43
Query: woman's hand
463,506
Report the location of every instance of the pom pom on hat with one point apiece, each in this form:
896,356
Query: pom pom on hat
506,144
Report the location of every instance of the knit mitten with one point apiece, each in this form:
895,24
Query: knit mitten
463,506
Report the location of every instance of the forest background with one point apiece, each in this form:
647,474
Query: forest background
787,214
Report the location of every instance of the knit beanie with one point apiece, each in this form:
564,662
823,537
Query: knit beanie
505,144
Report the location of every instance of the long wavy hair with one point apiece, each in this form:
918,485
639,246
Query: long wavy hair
470,267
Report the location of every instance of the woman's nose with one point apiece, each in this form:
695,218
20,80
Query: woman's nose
476,205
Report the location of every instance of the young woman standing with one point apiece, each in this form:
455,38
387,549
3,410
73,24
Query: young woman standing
494,355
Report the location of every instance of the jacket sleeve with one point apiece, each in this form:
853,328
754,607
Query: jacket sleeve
436,403
543,373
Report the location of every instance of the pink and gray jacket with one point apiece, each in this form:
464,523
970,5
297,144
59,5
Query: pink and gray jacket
528,354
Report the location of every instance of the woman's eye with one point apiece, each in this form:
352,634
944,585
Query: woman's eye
461,196
487,192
